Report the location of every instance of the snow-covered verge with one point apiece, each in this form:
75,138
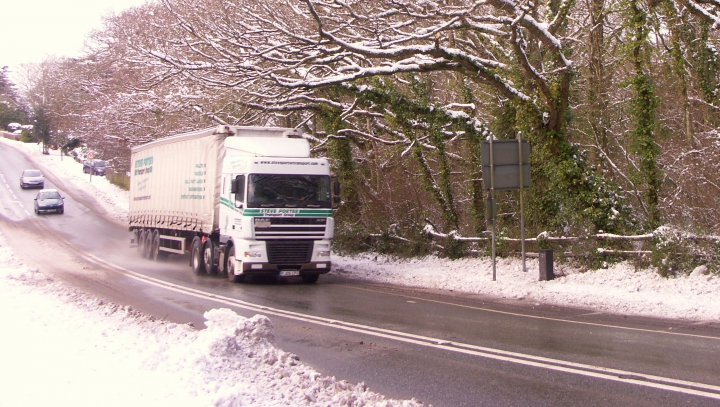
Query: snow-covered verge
62,347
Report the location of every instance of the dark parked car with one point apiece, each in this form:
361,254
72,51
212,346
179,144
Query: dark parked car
95,167
32,179
49,200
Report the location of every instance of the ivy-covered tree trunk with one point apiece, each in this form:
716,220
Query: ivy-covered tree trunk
680,32
643,106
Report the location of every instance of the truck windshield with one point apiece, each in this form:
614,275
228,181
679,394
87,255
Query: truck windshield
288,191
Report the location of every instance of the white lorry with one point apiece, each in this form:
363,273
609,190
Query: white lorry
243,200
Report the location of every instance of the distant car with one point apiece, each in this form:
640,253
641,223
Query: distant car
95,167
49,200
32,179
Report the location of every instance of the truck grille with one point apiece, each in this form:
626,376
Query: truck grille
289,251
291,228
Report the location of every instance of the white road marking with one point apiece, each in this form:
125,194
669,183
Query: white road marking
15,199
570,321
658,382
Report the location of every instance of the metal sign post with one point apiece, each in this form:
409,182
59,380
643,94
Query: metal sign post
508,164
492,201
522,210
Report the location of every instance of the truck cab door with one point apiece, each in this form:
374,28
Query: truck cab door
231,210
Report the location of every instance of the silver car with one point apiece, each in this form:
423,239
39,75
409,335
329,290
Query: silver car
32,179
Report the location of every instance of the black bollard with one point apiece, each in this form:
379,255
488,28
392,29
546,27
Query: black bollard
546,265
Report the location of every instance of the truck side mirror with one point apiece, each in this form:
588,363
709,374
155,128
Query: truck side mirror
237,187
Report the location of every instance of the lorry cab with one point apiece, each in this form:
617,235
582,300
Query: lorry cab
277,210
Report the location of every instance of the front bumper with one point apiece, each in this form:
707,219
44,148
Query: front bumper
32,185
48,209
281,270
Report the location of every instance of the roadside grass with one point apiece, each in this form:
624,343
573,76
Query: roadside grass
121,180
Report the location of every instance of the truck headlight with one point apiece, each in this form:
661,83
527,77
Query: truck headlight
323,253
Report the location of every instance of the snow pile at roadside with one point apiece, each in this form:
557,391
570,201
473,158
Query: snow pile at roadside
82,351
618,289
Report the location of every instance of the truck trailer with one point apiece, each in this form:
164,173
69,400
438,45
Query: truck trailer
244,201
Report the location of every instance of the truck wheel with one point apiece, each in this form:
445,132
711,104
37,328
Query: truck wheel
310,278
155,248
230,267
196,260
209,257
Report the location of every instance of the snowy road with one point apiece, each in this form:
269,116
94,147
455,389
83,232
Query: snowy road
444,349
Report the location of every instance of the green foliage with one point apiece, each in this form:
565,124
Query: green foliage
339,151
679,253
118,179
69,145
10,114
42,126
455,249
606,206
475,185
707,66
351,239
28,137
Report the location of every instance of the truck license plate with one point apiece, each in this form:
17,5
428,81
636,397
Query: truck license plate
287,273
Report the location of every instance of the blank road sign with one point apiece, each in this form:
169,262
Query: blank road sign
507,177
506,159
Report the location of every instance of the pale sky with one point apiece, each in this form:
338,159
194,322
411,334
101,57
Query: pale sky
32,30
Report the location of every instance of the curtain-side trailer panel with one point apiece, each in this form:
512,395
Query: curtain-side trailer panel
175,183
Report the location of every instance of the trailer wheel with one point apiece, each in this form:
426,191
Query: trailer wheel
196,260
147,249
155,248
209,257
230,267
140,238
